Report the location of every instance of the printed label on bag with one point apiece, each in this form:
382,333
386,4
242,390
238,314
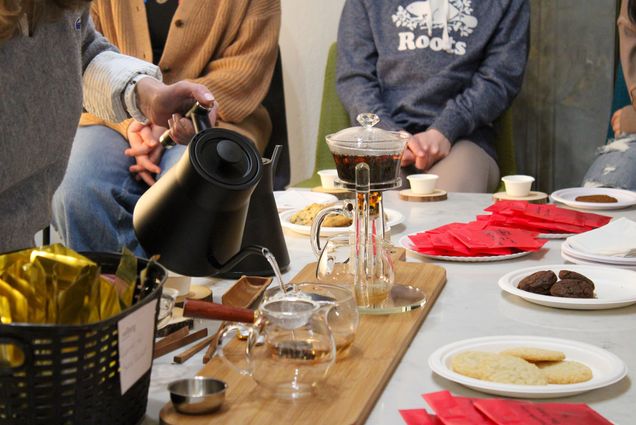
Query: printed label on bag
135,344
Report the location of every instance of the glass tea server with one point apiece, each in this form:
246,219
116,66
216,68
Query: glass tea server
368,162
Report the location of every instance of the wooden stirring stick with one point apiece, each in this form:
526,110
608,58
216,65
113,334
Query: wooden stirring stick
179,333
184,356
202,333
213,344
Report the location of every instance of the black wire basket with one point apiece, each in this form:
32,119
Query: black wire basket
71,373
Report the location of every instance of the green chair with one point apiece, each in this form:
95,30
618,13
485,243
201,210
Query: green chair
333,118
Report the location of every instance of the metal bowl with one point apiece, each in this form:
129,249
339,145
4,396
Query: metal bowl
197,395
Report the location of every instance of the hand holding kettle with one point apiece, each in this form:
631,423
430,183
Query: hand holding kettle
181,129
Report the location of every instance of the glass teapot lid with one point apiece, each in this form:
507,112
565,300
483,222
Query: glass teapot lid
367,138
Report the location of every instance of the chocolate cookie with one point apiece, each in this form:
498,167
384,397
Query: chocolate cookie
571,288
601,199
568,274
538,282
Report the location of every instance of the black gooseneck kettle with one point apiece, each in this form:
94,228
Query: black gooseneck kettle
194,216
262,227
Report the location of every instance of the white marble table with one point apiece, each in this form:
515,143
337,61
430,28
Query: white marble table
471,305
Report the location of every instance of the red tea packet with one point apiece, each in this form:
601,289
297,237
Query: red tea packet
419,417
455,410
509,412
477,238
549,213
497,237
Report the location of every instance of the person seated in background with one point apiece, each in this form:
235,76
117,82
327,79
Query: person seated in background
441,70
230,46
53,62
616,164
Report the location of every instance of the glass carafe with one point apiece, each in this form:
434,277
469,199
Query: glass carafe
368,162
290,347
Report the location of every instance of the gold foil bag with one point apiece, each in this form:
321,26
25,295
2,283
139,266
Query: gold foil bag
13,305
70,278
127,272
54,284
5,310
36,302
17,302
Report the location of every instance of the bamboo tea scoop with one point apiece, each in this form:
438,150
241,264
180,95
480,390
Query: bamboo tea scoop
213,311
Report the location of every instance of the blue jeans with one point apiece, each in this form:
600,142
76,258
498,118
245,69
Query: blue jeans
615,166
93,206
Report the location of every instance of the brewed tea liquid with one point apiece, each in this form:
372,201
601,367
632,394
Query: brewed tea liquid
382,168
302,352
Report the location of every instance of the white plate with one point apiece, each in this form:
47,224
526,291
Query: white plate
625,198
577,260
555,235
405,242
606,367
614,287
606,259
393,218
299,199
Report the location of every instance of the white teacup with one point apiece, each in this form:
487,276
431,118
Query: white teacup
328,178
518,185
422,184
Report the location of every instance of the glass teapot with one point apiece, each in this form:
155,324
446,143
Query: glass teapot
290,346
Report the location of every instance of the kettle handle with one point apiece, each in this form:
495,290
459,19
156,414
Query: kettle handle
198,114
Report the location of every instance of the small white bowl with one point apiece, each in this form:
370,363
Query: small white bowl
422,184
518,185
328,178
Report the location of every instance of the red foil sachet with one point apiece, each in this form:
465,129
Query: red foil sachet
509,412
477,238
455,410
550,218
419,417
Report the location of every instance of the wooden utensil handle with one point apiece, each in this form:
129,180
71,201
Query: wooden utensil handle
182,357
214,311
174,336
201,333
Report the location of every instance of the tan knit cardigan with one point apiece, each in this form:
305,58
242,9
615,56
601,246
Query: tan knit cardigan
228,45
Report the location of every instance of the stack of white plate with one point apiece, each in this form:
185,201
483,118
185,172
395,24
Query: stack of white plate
579,257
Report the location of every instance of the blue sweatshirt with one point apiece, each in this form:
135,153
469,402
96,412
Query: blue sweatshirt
452,65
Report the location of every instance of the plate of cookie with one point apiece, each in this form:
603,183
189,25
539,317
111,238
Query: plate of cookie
574,287
527,366
597,198
333,224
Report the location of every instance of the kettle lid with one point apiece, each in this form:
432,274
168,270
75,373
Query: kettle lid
226,157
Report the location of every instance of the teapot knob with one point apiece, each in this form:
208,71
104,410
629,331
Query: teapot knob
368,119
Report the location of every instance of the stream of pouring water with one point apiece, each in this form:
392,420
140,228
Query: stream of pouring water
274,264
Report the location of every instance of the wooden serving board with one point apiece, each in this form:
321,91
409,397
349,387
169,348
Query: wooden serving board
354,383
435,196
533,197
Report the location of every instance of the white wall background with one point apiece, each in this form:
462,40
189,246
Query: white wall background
308,29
